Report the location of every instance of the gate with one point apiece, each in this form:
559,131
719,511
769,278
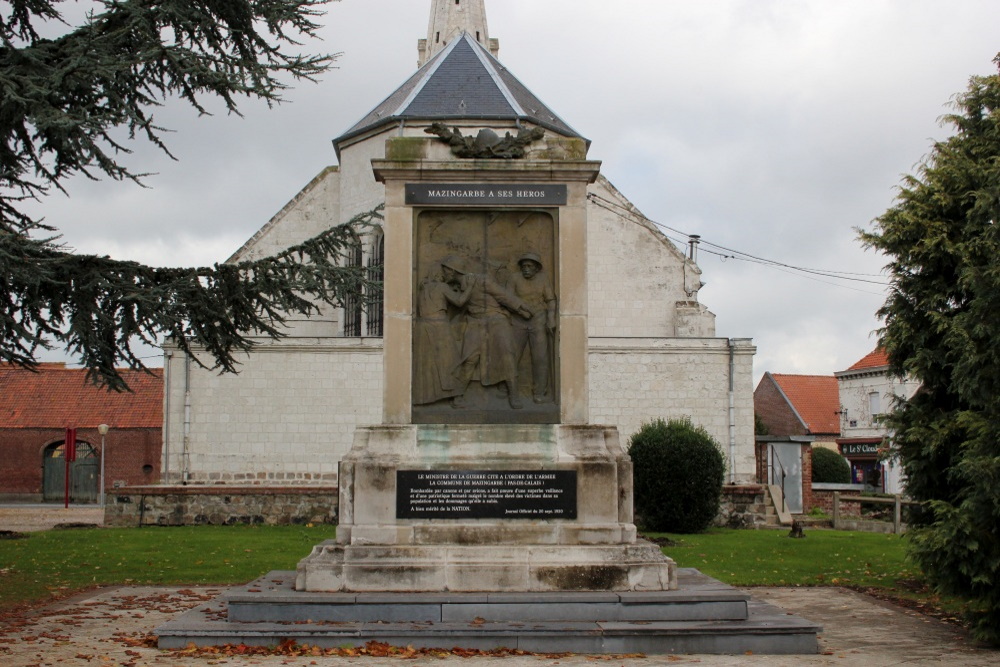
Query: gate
84,474
785,470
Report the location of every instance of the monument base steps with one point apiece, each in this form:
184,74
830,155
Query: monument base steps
334,567
702,616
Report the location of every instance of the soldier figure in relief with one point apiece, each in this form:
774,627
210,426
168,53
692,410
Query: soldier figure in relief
488,350
436,348
532,286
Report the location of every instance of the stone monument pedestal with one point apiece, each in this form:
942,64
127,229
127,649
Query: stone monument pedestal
548,507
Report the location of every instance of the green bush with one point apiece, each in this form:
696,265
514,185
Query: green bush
829,467
678,471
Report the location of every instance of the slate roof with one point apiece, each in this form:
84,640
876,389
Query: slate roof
878,357
60,397
463,81
816,398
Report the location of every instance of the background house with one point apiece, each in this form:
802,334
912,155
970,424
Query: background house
799,412
37,408
867,391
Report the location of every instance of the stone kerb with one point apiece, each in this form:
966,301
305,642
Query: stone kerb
220,505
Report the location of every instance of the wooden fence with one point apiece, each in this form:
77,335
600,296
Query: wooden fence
896,501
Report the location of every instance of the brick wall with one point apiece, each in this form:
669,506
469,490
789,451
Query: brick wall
807,479
133,457
775,411
823,499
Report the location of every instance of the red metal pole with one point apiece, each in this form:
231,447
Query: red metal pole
69,455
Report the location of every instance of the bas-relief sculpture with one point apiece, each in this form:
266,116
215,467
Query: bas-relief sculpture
487,144
484,335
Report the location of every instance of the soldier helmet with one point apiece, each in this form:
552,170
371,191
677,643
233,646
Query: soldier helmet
530,256
454,263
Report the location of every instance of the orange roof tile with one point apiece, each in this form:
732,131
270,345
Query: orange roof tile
878,357
60,397
815,397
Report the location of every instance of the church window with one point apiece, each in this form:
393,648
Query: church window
437,38
352,303
376,273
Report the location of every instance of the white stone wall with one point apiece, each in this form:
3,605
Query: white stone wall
290,415
633,381
287,417
314,209
359,191
638,277
857,420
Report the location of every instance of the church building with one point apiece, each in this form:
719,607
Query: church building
289,415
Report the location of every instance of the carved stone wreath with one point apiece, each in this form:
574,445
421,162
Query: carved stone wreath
487,144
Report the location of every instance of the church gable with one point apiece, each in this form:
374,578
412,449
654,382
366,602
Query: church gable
313,210
641,284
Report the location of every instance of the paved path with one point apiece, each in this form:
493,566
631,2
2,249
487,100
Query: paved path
112,627
28,518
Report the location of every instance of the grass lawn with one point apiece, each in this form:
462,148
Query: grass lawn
57,562
870,562
771,558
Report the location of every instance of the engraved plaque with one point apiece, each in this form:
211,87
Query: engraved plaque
486,494
490,194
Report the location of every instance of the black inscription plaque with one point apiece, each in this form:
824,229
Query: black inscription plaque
486,194
485,494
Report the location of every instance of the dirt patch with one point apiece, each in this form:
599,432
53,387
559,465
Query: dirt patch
73,525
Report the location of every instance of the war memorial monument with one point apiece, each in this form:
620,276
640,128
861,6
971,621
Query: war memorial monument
486,510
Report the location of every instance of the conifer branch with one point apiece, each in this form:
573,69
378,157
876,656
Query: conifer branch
99,308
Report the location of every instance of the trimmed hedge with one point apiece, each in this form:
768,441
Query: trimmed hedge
678,472
829,467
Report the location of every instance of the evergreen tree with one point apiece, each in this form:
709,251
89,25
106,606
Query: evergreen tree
64,100
942,326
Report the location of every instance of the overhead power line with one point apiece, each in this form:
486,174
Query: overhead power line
725,253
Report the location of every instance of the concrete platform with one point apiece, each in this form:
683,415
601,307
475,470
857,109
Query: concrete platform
703,616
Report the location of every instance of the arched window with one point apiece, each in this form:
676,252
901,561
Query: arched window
353,302
376,274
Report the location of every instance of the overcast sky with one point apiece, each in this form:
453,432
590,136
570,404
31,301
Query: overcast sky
771,127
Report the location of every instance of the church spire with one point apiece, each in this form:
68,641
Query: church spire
449,19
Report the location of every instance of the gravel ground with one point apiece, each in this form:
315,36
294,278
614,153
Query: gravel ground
24,518
114,627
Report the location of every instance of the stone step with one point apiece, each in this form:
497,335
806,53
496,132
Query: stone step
273,599
694,619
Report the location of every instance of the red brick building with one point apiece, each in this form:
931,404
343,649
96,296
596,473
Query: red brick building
799,412
37,408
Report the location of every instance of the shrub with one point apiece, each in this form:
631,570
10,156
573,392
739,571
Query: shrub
678,471
829,467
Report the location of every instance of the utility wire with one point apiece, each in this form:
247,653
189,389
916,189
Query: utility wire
730,253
